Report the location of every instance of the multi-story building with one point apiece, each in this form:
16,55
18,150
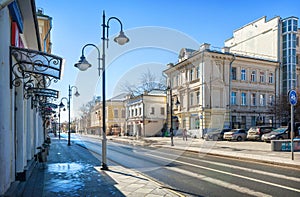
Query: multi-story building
146,114
275,39
209,99
26,73
115,116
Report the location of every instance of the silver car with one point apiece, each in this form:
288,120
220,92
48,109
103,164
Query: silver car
235,134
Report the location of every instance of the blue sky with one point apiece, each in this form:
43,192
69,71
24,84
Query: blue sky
182,23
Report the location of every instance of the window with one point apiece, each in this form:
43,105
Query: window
116,113
271,78
152,110
271,100
132,112
123,113
136,112
253,99
191,99
253,76
233,98
243,74
140,111
243,99
198,72
262,77
198,98
233,73
162,111
262,100
191,75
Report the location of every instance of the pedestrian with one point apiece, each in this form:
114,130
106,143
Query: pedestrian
184,134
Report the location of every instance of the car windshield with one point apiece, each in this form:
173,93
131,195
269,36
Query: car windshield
279,130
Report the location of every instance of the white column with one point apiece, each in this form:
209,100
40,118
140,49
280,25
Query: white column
29,128
7,173
20,127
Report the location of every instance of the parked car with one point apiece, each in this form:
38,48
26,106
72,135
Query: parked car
277,134
255,133
235,134
215,134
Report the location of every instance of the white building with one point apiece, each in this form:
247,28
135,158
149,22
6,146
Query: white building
275,39
209,99
23,95
146,114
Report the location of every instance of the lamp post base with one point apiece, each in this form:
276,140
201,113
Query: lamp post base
104,166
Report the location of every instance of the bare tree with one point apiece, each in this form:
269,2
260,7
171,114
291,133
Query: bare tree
147,82
282,109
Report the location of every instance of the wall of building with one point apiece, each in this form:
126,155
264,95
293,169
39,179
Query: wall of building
252,39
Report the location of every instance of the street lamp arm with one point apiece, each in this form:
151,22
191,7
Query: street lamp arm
62,104
99,55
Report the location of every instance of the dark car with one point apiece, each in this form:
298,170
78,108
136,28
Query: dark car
277,134
255,133
216,134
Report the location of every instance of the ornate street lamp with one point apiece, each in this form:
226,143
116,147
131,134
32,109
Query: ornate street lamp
69,108
83,65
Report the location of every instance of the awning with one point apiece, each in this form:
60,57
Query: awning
35,69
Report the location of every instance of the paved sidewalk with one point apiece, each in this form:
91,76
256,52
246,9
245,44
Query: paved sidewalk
74,171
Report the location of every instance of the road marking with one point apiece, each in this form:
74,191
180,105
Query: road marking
235,187
296,179
231,174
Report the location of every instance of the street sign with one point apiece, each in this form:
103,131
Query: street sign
293,97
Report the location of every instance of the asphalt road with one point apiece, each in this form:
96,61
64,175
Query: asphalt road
194,174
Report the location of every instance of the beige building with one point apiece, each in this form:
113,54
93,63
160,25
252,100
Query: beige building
115,116
209,99
146,114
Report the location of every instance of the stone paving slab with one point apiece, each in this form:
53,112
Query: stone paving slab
75,171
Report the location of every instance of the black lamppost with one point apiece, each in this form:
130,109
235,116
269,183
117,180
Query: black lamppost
83,65
171,113
69,108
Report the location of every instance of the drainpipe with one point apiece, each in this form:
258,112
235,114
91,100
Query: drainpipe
4,3
230,79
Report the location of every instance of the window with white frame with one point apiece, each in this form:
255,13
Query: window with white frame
271,78
116,113
233,98
262,77
191,99
243,98
243,74
262,100
253,76
198,72
253,99
162,111
123,113
233,73
152,110
198,98
136,112
191,75
140,111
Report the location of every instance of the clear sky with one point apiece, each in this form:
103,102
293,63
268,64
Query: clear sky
157,29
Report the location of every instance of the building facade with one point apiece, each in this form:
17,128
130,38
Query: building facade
221,89
146,114
275,39
24,97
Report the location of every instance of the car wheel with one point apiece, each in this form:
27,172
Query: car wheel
239,138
